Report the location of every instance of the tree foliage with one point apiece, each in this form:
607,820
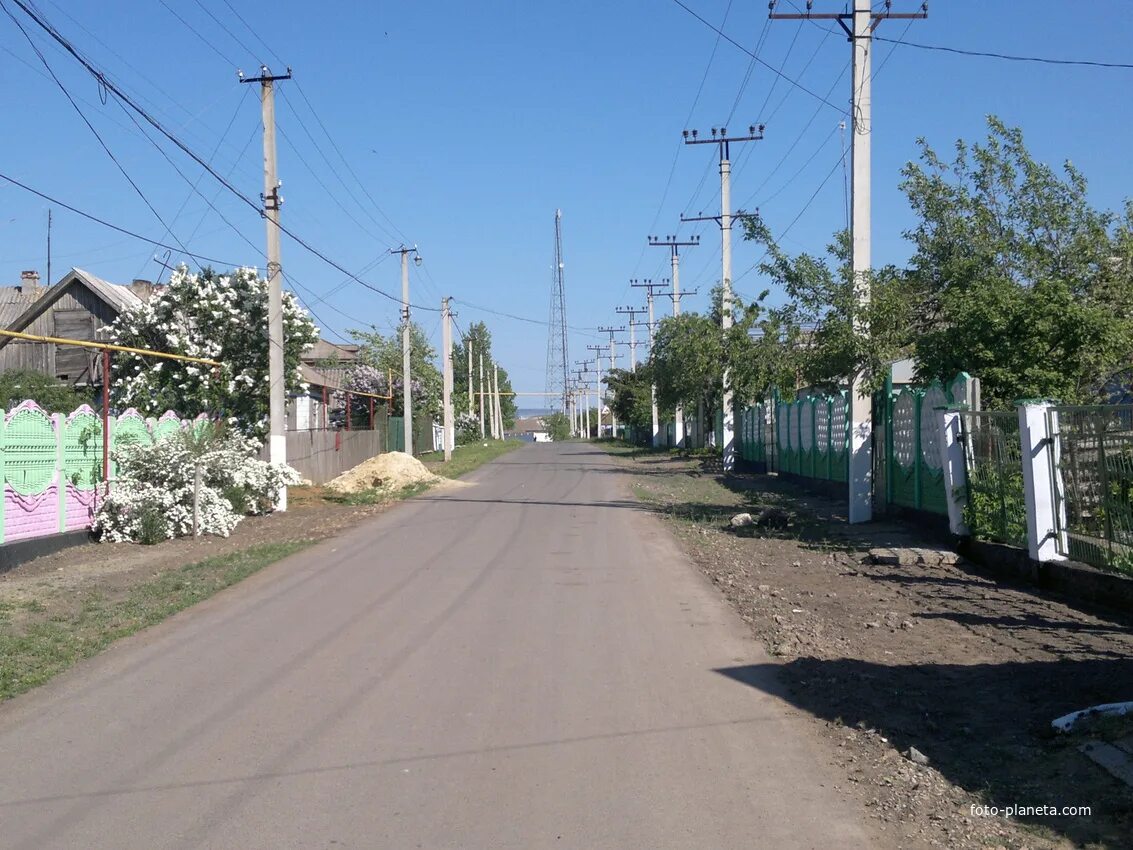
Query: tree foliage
1021,281
47,391
216,316
632,394
481,342
557,425
379,356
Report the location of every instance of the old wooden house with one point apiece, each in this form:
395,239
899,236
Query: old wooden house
77,307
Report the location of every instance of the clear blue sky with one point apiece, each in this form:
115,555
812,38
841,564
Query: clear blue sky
470,123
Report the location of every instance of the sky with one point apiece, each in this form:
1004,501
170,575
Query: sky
460,128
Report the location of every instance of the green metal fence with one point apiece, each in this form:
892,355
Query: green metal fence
914,475
995,508
1094,460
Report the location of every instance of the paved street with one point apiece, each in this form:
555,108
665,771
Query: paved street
528,662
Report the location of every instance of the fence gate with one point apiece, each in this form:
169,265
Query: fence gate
1094,460
993,458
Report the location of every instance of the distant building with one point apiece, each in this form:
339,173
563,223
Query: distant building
78,307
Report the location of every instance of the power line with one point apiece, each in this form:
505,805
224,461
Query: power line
1088,63
111,226
754,56
112,87
91,127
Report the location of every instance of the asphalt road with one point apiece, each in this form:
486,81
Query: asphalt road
526,663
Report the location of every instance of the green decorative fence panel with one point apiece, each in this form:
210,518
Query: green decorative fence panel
814,437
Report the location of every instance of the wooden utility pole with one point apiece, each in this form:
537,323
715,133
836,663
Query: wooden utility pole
859,26
277,384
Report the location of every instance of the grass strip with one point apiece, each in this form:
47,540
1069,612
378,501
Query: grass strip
468,457
40,648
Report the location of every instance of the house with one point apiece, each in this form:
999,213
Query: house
323,367
77,307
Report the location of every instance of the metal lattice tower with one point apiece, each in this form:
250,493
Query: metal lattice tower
558,383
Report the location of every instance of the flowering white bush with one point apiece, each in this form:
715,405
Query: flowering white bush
220,317
467,427
152,497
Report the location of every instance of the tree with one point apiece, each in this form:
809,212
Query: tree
216,316
47,391
481,339
822,298
632,396
687,361
382,355
1022,282
557,425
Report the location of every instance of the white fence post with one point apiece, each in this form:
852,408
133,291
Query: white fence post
953,461
1040,479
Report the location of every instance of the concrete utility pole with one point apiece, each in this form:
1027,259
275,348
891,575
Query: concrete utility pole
674,245
498,407
406,371
447,381
483,433
277,382
613,366
468,349
632,312
723,141
585,386
598,349
649,287
859,26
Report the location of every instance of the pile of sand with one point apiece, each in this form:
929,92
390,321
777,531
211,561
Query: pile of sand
390,471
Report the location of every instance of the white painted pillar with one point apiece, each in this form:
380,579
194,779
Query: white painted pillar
1040,478
954,463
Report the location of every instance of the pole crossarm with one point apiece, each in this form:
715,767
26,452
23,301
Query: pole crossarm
842,17
106,346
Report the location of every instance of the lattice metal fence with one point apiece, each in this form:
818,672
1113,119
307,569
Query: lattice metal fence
995,503
1094,460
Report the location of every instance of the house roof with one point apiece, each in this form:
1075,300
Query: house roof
13,302
320,377
326,350
118,297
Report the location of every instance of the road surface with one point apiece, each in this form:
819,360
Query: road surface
527,662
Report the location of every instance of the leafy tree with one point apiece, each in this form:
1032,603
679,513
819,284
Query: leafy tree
687,361
379,356
47,391
481,339
1021,282
632,396
220,317
822,297
557,425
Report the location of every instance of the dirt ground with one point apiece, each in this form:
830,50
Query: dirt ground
967,669
55,582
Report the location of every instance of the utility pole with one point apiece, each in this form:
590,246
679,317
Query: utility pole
406,373
483,433
613,366
277,383
585,364
674,245
724,142
632,312
859,26
471,393
649,286
498,407
598,349
446,342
